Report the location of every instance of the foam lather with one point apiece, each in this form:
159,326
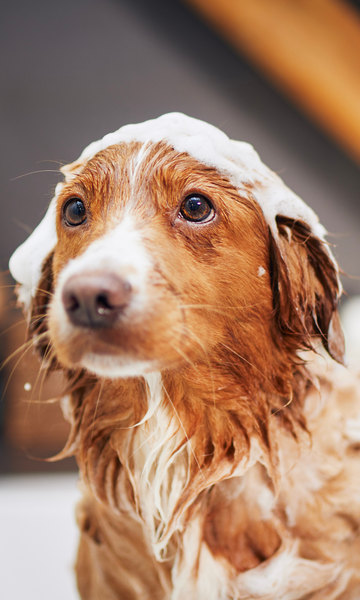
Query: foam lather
236,160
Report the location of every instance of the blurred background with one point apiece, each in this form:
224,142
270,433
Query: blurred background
281,74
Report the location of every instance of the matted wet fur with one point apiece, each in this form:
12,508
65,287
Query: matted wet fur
229,468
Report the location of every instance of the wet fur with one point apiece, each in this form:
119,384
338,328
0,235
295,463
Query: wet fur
230,472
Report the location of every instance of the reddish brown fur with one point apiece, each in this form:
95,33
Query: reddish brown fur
226,341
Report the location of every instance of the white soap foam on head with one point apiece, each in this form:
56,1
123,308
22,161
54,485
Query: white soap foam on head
236,160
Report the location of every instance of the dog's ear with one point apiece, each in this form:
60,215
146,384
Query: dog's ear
37,328
305,286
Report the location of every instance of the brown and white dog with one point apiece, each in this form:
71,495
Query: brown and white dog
175,280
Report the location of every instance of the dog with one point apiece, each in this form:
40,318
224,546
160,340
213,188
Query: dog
190,299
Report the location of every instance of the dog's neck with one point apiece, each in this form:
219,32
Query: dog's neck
157,443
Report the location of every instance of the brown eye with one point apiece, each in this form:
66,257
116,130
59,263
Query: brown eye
197,208
74,212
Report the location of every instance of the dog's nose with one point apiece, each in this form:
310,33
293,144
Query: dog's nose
95,299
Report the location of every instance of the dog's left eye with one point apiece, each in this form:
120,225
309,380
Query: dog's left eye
74,212
197,208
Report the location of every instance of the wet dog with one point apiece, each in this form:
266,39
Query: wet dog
176,280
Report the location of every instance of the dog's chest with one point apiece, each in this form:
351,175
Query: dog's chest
248,538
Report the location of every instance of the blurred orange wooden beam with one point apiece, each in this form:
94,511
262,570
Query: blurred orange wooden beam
308,48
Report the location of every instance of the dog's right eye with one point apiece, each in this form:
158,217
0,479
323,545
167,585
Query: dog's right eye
74,212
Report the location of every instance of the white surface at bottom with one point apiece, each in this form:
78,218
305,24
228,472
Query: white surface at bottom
38,537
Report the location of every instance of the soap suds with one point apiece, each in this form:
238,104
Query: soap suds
236,160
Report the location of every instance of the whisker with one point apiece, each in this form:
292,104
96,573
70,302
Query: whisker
207,359
34,172
183,355
96,407
46,292
21,322
45,365
25,347
273,414
22,225
248,362
222,310
183,428
142,444
41,372
56,162
183,330
31,401
191,335
48,401
38,318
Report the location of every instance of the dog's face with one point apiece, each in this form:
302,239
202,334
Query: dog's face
158,260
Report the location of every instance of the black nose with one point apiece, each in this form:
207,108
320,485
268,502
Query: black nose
95,299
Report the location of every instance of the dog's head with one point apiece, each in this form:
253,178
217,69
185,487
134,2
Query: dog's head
169,243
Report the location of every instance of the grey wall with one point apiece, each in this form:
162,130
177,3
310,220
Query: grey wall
73,70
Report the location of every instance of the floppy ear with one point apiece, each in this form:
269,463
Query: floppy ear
38,313
305,288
